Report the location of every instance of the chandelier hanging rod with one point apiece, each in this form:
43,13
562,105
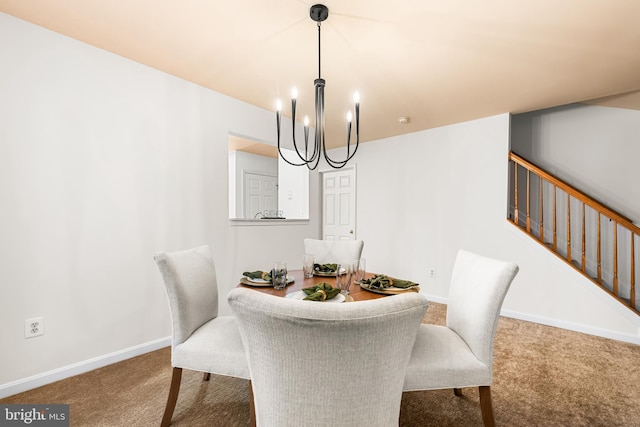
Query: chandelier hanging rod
318,13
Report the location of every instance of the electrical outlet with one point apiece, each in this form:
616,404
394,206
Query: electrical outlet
34,327
432,273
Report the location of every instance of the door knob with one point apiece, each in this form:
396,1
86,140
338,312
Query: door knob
350,231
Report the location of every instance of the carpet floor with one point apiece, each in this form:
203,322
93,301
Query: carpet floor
543,376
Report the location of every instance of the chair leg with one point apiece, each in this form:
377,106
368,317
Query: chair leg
457,392
206,376
173,397
252,407
486,406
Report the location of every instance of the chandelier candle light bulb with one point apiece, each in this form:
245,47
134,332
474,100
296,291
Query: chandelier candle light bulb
356,100
306,135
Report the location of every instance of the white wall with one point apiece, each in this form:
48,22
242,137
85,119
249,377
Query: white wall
293,185
593,148
423,196
104,162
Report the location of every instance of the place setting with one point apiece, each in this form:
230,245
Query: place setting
380,283
326,270
322,292
383,284
277,277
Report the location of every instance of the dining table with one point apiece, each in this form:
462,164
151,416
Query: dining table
356,293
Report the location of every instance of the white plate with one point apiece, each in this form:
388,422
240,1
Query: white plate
392,290
328,273
257,280
324,273
300,295
260,282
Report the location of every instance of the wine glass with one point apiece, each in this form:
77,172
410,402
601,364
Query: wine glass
307,266
359,270
343,277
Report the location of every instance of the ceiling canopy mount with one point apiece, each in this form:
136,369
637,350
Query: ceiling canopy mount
319,12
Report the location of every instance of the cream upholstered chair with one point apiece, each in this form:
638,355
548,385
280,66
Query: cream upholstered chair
201,340
333,251
460,354
323,364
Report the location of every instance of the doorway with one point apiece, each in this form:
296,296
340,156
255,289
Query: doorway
339,204
260,193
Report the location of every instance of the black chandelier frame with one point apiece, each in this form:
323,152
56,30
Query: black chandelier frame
318,13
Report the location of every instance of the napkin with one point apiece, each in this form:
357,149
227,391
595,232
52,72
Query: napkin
381,281
264,275
320,292
325,268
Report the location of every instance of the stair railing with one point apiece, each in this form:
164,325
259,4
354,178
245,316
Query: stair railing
614,241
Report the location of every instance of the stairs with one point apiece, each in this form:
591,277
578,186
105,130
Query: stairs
590,237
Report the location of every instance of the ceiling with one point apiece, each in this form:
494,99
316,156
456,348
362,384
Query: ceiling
436,62
237,143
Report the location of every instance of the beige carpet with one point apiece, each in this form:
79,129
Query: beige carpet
543,377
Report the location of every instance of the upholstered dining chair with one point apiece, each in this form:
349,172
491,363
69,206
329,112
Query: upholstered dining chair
460,354
201,340
323,364
333,251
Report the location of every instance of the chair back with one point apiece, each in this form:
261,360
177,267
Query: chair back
325,364
333,251
478,287
190,279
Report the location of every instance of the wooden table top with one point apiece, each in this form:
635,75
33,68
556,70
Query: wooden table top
356,292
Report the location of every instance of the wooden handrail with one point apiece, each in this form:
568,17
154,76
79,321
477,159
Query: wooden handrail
620,219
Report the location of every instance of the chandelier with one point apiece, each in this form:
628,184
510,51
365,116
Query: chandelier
310,155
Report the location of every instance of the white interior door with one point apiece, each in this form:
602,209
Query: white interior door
260,193
339,204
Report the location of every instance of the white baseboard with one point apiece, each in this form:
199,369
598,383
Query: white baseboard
576,327
49,377
562,324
